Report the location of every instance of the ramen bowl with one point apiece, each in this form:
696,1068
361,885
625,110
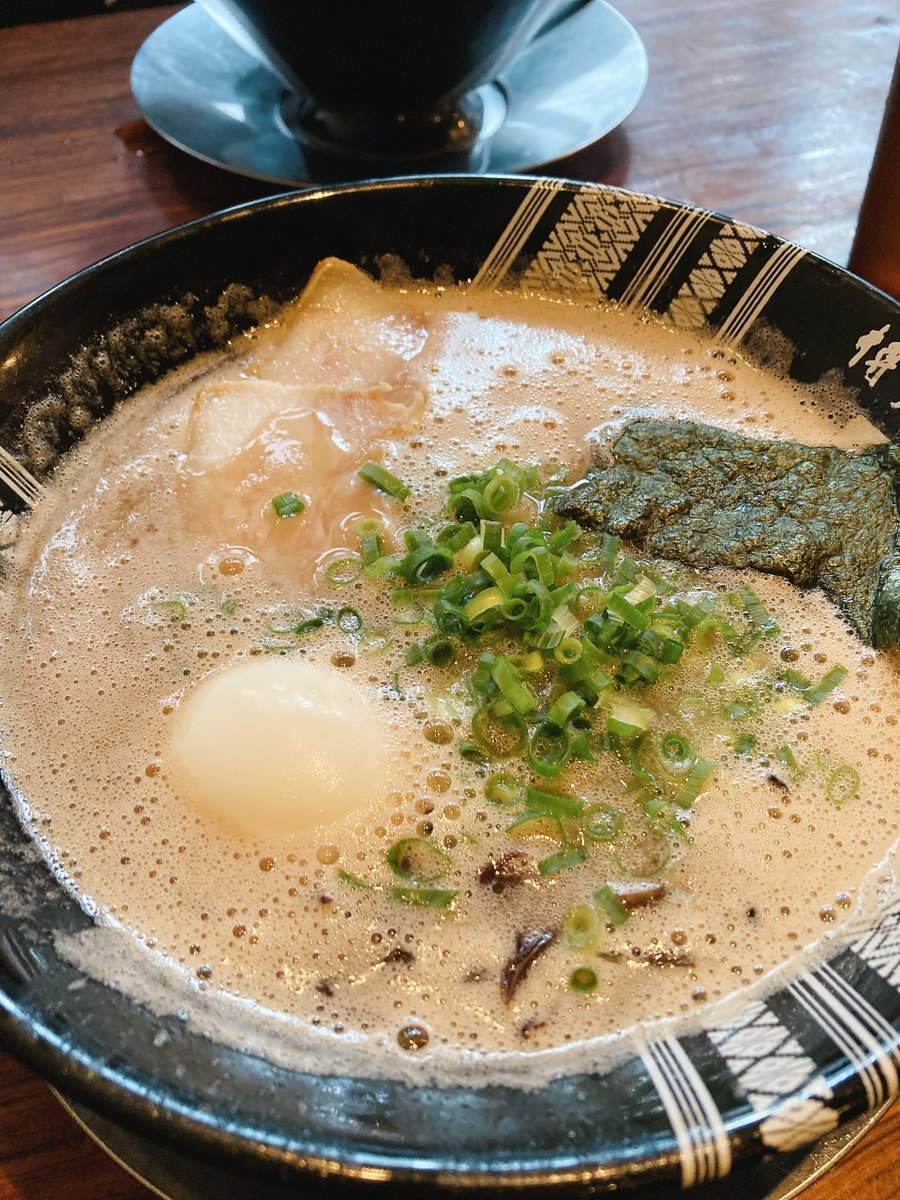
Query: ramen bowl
681,1104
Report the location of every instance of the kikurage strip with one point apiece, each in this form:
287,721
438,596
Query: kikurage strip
529,946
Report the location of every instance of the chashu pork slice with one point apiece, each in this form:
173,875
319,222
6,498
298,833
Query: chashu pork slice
318,396
344,331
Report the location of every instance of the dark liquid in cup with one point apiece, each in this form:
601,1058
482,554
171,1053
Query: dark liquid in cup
389,56
386,79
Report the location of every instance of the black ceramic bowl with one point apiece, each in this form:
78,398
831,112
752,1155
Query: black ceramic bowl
781,1071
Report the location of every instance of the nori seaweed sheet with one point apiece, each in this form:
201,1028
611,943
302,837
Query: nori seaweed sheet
709,497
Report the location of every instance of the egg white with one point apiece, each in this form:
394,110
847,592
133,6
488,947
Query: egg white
277,745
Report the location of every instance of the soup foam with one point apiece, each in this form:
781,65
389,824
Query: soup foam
134,582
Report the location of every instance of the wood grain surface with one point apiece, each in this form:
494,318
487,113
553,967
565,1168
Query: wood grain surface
768,110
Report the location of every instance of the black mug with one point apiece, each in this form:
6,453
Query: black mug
391,82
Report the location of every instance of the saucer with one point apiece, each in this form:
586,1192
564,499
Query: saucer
578,79
174,1174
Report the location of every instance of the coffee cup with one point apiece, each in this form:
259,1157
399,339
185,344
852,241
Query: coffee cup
391,84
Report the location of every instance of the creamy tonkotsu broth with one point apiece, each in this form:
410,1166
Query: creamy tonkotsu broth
220,742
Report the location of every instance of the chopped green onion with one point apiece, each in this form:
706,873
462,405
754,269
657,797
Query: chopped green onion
470,752
500,735
562,860
815,693
612,904
601,823
563,708
367,525
501,493
371,547
583,980
425,563
470,555
309,625
580,926
756,610
288,504
537,824
829,681
354,880
386,565
642,589
407,597
676,751
745,743
425,897
609,548
420,861
376,475
653,806
498,572
628,720
454,537
743,704
842,785
492,597
440,652
626,611
530,663
693,782
785,755
177,609
491,535
502,788
346,569
506,678
638,667
795,680
569,651
549,749
348,620
553,803
535,562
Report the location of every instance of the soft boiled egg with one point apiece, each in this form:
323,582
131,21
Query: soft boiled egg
277,745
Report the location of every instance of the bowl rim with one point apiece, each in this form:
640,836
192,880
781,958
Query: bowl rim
113,1091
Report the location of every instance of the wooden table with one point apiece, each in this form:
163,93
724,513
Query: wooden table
767,110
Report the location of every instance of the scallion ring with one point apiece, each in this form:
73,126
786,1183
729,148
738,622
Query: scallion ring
425,897
288,504
500,736
562,860
583,980
348,620
343,570
612,904
676,752
439,651
502,788
549,749
418,860
378,477
602,822
580,927
842,785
